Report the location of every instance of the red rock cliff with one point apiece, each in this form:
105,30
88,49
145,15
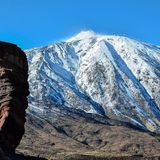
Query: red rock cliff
13,95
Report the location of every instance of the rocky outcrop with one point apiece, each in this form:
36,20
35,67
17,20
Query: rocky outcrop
13,95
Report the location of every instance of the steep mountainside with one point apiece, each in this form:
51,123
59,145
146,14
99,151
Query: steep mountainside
111,76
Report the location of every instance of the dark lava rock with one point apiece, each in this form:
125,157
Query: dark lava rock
13,95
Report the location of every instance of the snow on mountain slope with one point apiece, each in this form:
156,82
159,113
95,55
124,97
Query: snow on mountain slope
111,76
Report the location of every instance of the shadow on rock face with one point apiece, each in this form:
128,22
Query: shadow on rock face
23,157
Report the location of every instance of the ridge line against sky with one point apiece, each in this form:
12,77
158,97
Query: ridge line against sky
35,23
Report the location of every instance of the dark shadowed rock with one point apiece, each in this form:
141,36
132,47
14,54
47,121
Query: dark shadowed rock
13,95
3,156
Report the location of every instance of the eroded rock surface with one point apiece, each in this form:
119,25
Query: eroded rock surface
13,95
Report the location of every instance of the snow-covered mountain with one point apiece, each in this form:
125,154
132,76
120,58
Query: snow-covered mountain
112,76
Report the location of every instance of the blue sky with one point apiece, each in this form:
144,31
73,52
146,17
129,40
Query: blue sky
31,23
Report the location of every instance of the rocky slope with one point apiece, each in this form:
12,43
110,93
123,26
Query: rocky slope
13,95
111,76
73,136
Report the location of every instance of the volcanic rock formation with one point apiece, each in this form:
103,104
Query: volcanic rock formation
112,76
13,95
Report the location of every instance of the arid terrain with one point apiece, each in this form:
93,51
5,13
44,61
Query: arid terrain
87,139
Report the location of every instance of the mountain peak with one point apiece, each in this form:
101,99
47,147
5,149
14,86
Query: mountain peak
83,35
